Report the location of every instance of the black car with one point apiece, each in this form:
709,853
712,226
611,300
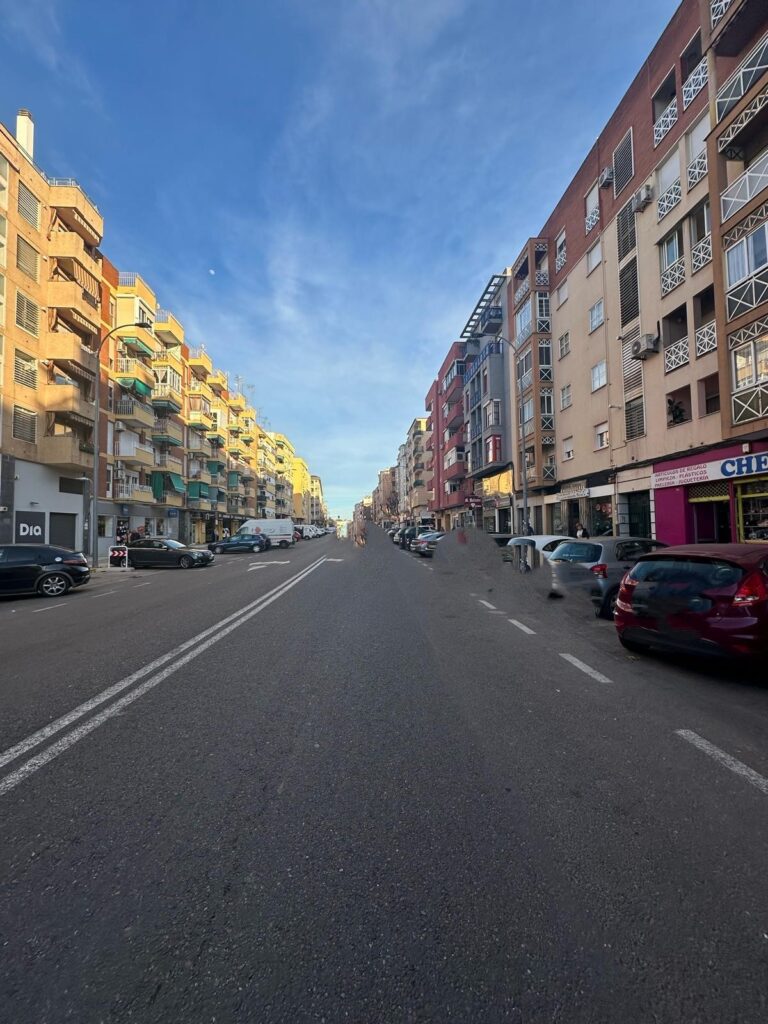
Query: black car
41,569
161,551
240,542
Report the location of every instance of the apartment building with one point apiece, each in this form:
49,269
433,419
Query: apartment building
318,508
284,456
301,481
402,484
418,436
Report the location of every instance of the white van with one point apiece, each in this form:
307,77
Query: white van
279,531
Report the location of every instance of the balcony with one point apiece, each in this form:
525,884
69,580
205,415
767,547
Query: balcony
746,296
67,246
67,452
522,291
236,403
78,212
234,448
669,199
718,10
749,404
69,400
128,370
165,396
218,381
456,471
665,122
676,355
706,339
65,348
695,82
167,431
134,492
592,219
75,304
164,460
168,329
673,276
234,508
173,499
750,184
452,393
542,278
491,320
741,81
200,475
134,414
701,253
200,363
454,415
199,446
697,169
169,357
135,454
561,259
524,335
200,419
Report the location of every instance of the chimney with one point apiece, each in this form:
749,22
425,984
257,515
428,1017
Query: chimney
25,132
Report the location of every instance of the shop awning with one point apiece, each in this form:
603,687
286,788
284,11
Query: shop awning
177,483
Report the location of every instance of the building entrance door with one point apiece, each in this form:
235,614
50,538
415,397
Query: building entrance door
62,529
712,522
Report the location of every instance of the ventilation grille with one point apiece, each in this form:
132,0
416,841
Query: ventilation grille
29,206
25,370
24,425
634,418
628,292
27,258
623,164
625,226
632,368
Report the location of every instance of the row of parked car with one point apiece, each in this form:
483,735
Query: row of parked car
421,540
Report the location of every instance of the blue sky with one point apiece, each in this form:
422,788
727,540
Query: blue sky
352,171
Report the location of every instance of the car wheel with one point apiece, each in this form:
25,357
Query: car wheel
630,645
608,607
186,562
219,550
255,548
54,585
283,543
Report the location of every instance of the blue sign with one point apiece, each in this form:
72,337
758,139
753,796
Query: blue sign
745,465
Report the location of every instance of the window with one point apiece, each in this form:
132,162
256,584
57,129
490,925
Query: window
493,449
679,406
485,382
27,258
592,207
601,436
599,375
596,315
24,424
27,314
629,295
696,139
2,300
565,396
623,164
750,363
668,173
3,240
493,413
560,251
634,418
567,448
701,222
709,395
523,320
625,226
546,406
3,183
594,257
524,367
564,344
663,97
561,293
29,206
671,248
25,369
749,255
542,304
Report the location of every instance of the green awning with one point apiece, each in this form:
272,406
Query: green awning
137,343
126,382
142,389
177,483
196,489
233,479
213,465
222,496
158,485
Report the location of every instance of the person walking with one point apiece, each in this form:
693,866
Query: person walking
581,531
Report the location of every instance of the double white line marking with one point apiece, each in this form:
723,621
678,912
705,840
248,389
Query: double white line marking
167,664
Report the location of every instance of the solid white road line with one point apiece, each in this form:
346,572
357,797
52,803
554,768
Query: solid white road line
48,608
586,668
757,780
106,592
24,746
148,584
334,559
488,604
521,627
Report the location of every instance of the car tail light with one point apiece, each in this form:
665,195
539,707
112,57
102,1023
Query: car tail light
752,589
600,570
76,560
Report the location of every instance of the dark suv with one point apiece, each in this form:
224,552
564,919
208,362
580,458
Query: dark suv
41,569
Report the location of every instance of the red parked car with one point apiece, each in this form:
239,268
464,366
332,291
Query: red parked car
709,599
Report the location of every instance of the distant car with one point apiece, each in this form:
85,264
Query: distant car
709,599
45,569
425,544
396,535
392,532
410,533
240,542
162,551
595,567
544,543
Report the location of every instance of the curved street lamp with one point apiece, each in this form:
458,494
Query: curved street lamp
93,526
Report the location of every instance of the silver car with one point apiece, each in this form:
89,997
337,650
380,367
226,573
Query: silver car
595,567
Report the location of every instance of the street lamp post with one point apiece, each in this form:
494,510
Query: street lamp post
94,538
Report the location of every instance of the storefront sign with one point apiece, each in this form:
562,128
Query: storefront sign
30,527
722,469
575,489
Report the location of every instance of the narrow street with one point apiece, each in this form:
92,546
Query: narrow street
346,784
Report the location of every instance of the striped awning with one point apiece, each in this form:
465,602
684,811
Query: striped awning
177,483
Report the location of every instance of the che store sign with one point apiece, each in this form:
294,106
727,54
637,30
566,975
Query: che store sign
722,469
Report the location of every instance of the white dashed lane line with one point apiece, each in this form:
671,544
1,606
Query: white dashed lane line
522,628
48,608
488,605
738,767
586,669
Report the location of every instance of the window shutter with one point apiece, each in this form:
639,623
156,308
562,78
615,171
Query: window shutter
27,258
632,368
625,224
29,206
24,425
628,293
623,164
634,418
25,370
27,314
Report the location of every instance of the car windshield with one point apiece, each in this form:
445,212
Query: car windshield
174,544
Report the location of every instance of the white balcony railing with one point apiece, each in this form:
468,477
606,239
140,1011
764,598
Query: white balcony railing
706,339
139,492
591,219
676,355
747,295
673,276
522,291
744,77
750,404
746,187
524,334
124,450
542,278
701,253
695,82
669,199
665,122
718,10
697,169
560,260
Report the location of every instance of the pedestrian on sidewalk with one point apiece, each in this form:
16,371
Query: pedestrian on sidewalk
581,532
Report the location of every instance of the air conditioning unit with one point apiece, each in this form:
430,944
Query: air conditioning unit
606,177
119,425
642,198
644,346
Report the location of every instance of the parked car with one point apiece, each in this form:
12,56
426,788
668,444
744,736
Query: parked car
240,542
595,567
425,544
43,569
162,551
397,535
279,531
392,531
524,545
410,533
709,599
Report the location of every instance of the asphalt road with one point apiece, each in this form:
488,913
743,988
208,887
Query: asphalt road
378,789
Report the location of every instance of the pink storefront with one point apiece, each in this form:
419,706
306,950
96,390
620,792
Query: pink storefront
720,495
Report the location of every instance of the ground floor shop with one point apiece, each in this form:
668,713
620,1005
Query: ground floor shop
42,504
118,521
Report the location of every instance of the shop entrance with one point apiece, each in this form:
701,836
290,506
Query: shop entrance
712,522
62,529
639,513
